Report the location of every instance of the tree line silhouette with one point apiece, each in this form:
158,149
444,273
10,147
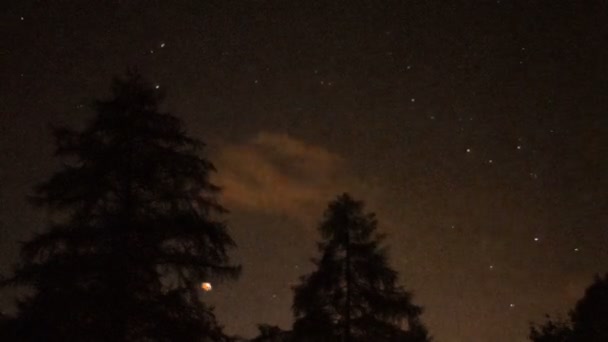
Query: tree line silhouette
137,227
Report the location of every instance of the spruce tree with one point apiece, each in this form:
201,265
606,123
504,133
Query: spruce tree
353,295
135,228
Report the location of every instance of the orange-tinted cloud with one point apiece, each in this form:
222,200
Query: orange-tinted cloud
280,175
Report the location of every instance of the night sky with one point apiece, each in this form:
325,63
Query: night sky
476,130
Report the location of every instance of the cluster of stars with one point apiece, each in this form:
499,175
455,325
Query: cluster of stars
535,239
490,161
161,46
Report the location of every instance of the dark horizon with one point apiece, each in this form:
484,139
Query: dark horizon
474,130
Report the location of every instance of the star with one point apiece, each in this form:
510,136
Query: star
157,86
511,305
536,239
491,267
468,150
162,45
576,249
413,99
490,161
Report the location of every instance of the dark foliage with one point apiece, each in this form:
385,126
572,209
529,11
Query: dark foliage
588,322
271,333
135,229
353,296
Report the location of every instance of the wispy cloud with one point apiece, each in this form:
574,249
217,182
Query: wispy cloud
280,175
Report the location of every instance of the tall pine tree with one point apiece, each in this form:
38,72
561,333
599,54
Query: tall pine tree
353,294
136,227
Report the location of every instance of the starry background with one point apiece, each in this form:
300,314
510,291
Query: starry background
476,130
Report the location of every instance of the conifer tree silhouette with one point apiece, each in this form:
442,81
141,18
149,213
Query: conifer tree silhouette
136,226
353,294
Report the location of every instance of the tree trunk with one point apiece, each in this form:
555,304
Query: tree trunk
348,284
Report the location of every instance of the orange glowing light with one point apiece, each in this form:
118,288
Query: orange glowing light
206,287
